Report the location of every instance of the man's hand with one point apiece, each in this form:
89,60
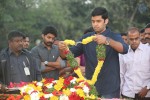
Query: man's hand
62,46
65,72
100,39
143,92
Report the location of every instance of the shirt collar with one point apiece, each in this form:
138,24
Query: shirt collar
140,47
11,52
147,44
106,32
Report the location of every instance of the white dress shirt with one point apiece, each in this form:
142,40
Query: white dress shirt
147,44
135,70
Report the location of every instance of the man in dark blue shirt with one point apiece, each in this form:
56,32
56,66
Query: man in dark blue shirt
108,82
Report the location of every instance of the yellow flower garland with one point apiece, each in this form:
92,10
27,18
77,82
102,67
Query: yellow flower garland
69,42
78,70
87,40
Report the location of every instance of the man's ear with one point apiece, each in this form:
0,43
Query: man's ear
106,21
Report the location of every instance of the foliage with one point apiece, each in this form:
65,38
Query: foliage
70,17
101,52
72,62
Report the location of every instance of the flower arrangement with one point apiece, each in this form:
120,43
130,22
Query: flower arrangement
62,89
71,88
10,97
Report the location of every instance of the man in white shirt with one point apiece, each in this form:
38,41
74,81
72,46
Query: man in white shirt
135,68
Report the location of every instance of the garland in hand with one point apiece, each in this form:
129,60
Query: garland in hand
100,50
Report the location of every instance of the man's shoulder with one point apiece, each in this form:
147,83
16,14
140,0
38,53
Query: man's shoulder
115,34
35,48
26,51
88,34
145,47
4,51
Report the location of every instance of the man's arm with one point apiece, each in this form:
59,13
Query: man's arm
118,46
37,69
58,64
43,68
143,92
122,71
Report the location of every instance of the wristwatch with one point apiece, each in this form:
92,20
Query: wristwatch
107,42
46,63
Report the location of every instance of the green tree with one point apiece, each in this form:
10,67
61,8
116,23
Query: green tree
70,17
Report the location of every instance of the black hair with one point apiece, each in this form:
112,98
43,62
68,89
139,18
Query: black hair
100,11
50,29
148,25
14,34
142,30
123,34
26,36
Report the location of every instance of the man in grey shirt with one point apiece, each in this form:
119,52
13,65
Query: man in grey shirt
16,64
48,54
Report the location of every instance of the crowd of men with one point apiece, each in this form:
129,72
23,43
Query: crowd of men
125,72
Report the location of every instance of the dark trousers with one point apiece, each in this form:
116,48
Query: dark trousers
137,97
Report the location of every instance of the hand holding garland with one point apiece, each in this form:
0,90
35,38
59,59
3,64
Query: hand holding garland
100,49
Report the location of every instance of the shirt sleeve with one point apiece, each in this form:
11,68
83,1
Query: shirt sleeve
63,63
35,53
38,70
122,71
125,46
149,64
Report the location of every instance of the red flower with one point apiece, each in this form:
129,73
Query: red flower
67,80
11,85
21,84
11,97
64,87
77,87
66,51
24,94
42,98
18,97
48,80
87,85
57,93
74,96
75,68
102,59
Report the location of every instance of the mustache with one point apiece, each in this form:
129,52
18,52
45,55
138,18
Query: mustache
49,42
147,38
